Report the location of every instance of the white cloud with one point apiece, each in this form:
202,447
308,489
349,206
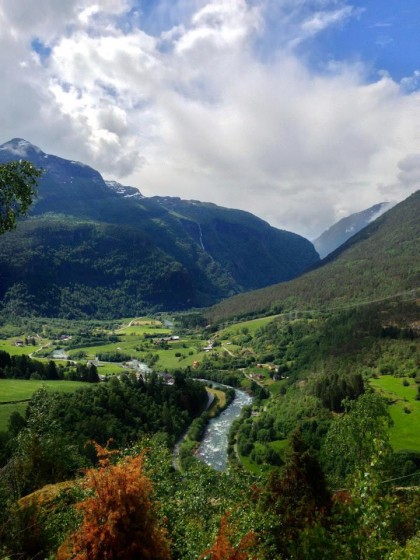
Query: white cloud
319,21
411,83
192,111
410,171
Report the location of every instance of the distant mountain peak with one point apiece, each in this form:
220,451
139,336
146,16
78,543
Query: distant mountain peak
345,228
20,147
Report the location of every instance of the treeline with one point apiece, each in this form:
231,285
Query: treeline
334,388
51,443
87,339
24,367
116,356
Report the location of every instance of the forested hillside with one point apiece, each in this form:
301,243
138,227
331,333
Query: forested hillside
380,261
99,250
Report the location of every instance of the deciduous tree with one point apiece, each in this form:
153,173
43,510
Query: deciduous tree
223,547
119,518
18,181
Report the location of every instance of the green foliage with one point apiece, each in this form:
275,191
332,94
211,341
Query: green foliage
257,436
23,367
113,357
350,442
18,181
296,498
333,389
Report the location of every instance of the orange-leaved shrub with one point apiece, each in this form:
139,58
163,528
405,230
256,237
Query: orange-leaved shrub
119,517
223,547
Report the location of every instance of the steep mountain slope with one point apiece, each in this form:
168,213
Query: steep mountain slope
238,240
345,228
381,260
180,254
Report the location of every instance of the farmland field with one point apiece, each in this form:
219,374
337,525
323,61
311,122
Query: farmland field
404,410
20,389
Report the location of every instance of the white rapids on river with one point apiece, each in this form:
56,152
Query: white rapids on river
213,446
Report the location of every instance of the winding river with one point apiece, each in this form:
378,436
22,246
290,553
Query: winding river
213,446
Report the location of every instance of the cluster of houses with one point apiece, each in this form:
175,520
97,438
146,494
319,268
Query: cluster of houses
29,341
164,339
209,346
65,337
274,371
259,376
142,370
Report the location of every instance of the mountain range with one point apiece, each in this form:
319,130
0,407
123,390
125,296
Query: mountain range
92,247
345,228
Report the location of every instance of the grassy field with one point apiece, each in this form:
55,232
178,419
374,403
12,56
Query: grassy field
280,445
137,347
404,410
110,369
8,345
250,466
276,386
251,326
21,389
169,360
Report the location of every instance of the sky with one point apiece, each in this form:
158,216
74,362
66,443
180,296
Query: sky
299,111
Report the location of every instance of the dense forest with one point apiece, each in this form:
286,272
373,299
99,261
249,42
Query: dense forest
52,437
294,512
24,367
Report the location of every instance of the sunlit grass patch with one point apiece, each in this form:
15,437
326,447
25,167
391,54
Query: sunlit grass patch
404,410
21,389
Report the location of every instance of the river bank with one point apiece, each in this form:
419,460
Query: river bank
207,437
213,449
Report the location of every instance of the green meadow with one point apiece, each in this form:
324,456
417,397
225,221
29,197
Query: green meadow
110,369
251,326
404,410
9,345
19,389
22,389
